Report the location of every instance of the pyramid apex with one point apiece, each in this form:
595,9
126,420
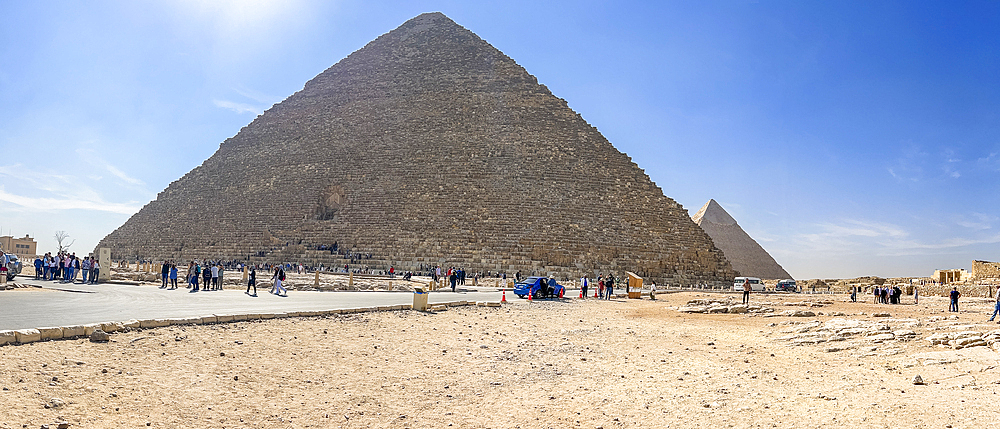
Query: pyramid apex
713,212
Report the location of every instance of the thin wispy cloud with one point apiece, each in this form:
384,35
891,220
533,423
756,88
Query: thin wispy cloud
65,203
237,107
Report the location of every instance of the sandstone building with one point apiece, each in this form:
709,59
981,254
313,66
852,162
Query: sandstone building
24,248
746,255
426,147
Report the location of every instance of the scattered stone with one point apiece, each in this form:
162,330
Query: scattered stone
881,315
55,403
918,380
99,336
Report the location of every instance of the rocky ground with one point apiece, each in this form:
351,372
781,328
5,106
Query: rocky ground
570,363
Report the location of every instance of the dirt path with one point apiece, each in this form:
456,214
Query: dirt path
574,363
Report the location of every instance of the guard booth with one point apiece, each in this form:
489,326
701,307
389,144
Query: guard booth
634,285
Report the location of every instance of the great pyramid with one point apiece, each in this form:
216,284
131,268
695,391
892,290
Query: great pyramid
426,147
746,255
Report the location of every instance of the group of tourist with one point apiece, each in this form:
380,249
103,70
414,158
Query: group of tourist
887,294
605,286
66,267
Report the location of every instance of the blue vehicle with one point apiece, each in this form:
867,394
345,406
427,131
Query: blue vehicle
539,287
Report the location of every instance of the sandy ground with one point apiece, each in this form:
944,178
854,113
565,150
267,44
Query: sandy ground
571,363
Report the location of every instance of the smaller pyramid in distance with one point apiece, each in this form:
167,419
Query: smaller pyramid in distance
743,252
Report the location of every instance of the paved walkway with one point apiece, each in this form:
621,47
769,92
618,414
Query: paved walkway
62,304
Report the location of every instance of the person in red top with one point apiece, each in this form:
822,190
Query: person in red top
746,291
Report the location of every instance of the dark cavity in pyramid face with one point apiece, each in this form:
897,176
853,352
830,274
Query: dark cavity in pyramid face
330,202
427,147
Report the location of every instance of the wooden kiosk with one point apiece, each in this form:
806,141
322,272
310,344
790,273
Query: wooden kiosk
634,285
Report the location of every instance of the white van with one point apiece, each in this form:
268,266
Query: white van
756,284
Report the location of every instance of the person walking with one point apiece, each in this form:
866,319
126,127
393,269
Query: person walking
746,291
38,269
996,308
916,295
453,278
584,283
954,295
652,291
252,281
279,277
609,286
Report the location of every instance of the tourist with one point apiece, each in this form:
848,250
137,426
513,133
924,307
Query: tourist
746,291
609,286
206,275
279,276
173,276
165,274
584,282
600,287
652,291
67,266
54,265
215,277
252,281
85,268
996,308
916,296
95,271
453,278
195,276
954,295
854,294
221,270
38,268
875,291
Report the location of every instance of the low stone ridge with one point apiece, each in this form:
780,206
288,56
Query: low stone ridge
426,147
743,252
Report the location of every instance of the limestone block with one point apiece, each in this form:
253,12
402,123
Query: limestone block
112,327
207,320
279,316
7,337
132,324
73,331
223,318
25,336
693,309
240,317
50,333
266,315
90,328
384,308
152,323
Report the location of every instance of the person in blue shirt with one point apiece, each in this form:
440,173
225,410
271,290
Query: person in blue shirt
38,268
954,299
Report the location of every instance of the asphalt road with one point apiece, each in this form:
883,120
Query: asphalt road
61,304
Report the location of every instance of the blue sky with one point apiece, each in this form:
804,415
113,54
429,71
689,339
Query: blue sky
849,138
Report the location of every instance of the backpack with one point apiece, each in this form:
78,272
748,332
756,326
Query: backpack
282,275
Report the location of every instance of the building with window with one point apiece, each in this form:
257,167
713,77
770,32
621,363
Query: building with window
25,248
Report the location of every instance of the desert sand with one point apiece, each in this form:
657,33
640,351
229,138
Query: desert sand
568,363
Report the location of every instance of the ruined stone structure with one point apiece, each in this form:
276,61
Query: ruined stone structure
985,271
426,147
747,257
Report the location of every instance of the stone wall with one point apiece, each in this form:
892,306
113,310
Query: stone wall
426,147
985,270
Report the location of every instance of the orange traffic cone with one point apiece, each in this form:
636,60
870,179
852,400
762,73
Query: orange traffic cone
504,297
529,296
581,293
595,292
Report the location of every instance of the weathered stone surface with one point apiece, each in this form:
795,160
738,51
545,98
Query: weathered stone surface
99,336
73,331
743,252
53,333
24,336
428,146
7,337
